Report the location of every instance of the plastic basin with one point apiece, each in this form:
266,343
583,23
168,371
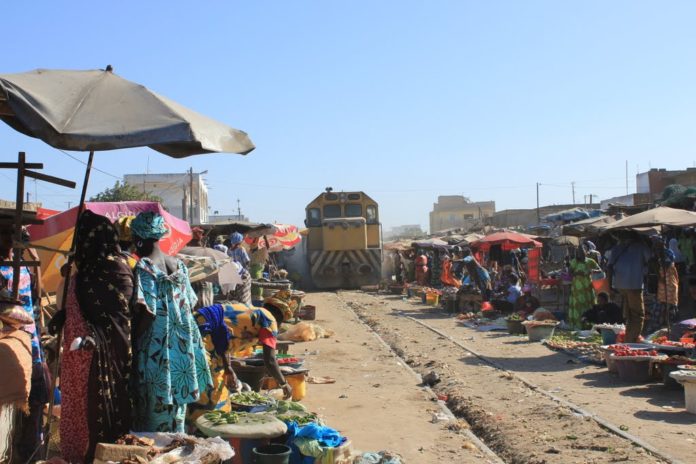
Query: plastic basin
633,369
537,333
271,454
608,336
688,380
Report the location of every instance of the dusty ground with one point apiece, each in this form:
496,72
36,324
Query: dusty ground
376,401
519,423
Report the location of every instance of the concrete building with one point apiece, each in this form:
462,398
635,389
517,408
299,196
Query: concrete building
457,211
633,199
406,231
654,181
528,217
227,218
184,195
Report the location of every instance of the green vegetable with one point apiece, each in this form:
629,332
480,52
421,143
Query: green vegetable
249,399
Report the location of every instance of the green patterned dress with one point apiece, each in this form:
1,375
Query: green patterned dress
582,294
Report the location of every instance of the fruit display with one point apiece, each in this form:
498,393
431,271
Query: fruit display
663,341
249,399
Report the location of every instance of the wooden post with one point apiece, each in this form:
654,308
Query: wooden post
17,236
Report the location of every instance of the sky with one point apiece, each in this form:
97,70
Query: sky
404,100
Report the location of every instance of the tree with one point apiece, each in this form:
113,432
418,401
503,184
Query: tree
124,192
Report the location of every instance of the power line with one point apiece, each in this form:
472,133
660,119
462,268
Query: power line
85,164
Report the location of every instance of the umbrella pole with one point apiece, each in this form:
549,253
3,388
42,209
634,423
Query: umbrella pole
64,298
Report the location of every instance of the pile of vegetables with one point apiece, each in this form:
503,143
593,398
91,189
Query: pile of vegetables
565,341
220,417
625,351
249,399
665,342
540,323
515,317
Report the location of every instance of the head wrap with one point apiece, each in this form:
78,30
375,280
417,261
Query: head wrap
214,325
148,225
123,225
236,238
97,238
591,246
284,302
197,233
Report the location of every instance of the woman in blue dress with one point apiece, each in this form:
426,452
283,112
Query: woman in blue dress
171,368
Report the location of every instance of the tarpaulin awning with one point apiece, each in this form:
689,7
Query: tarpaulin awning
508,241
588,226
99,110
573,214
276,237
660,216
431,243
57,232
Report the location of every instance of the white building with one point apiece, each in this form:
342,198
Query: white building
184,195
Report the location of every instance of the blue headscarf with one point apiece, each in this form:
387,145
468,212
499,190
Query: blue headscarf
214,326
236,238
149,225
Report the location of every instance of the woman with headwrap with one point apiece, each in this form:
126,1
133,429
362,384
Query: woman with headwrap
236,250
582,294
666,309
96,359
171,369
232,330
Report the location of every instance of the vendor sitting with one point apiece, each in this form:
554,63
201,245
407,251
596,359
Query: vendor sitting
527,303
505,301
604,312
231,330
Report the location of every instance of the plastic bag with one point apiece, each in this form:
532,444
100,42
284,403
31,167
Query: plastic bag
203,447
305,332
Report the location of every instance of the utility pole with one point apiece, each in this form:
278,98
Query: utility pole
239,210
28,197
572,186
191,195
538,212
626,177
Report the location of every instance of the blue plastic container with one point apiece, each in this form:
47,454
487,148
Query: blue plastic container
608,336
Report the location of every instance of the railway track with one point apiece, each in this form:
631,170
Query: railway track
587,437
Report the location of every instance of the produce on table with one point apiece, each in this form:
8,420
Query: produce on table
300,419
633,353
679,360
546,322
220,417
249,399
588,349
665,342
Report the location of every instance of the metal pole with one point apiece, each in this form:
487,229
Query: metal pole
191,195
66,286
538,212
572,185
19,212
626,177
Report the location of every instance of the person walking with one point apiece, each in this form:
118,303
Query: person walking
627,267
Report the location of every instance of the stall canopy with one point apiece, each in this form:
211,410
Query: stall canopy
660,216
431,243
275,237
507,240
57,233
588,226
574,214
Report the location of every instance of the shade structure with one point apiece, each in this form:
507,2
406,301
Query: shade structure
99,110
660,216
565,240
276,237
588,226
57,233
508,241
207,264
431,243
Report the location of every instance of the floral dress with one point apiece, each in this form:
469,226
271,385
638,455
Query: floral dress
171,364
229,329
582,294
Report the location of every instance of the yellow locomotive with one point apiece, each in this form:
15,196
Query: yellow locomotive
344,240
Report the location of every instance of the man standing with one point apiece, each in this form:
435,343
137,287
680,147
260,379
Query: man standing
628,263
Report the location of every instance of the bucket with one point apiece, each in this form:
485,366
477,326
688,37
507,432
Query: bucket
633,369
611,365
307,313
433,299
537,333
601,285
608,336
451,306
667,380
271,454
298,382
690,397
424,297
409,292
515,327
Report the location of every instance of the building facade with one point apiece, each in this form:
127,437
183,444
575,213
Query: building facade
457,211
654,181
184,195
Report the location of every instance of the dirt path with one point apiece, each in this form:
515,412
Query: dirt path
376,400
519,423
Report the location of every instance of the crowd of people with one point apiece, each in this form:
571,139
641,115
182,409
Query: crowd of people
140,352
627,267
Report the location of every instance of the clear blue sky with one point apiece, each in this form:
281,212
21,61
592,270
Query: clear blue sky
405,100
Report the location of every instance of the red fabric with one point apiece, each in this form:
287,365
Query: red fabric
267,338
74,372
508,241
533,258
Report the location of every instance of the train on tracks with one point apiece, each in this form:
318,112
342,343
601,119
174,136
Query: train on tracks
344,240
